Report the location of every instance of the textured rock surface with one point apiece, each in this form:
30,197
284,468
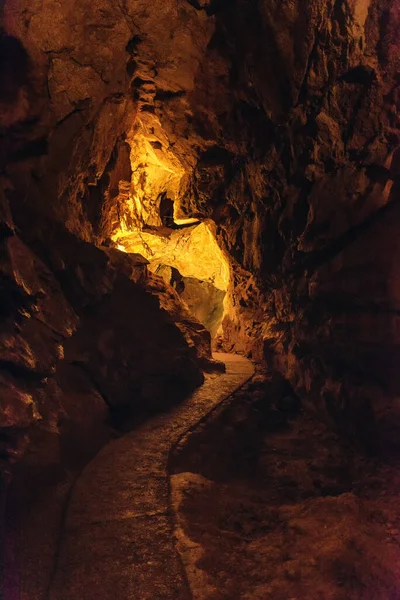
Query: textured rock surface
90,341
300,176
277,120
204,300
84,331
188,258
192,250
272,505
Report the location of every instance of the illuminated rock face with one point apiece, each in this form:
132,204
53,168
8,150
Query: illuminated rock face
278,121
204,300
192,250
154,172
202,268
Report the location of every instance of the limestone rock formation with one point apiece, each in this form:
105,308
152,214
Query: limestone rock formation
270,126
276,120
187,257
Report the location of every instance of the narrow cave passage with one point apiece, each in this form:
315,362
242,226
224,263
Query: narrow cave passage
180,176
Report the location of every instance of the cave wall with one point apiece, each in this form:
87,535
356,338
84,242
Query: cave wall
324,200
87,337
204,300
298,105
283,116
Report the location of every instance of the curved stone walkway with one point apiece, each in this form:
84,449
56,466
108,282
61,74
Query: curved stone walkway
118,541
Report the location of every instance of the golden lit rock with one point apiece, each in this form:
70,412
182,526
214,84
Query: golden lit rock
194,251
155,170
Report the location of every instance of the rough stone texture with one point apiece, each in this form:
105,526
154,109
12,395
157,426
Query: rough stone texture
64,163
204,300
271,504
300,177
275,119
84,331
282,117
90,341
88,338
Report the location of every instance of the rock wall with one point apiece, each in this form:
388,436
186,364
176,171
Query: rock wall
80,333
87,335
297,105
282,117
321,197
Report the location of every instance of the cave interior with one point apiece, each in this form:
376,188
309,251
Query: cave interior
200,299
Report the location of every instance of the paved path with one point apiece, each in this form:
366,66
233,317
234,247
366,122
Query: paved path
118,541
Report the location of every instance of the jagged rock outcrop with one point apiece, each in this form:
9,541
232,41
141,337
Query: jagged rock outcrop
203,299
87,333
67,106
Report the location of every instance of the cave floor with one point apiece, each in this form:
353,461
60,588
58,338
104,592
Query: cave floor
117,540
273,505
